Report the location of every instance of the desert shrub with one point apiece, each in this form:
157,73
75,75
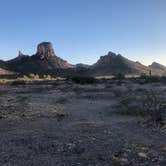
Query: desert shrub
36,76
150,78
60,116
18,82
47,77
154,78
119,76
163,78
154,107
25,77
33,76
83,80
128,105
149,105
143,75
62,100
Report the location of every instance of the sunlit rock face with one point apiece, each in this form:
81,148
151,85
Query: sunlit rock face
45,50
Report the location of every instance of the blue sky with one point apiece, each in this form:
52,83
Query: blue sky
84,30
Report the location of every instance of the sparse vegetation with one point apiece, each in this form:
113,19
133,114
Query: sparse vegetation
18,82
149,105
119,76
83,80
151,78
69,117
154,107
47,77
33,76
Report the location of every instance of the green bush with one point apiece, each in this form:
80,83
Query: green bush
119,76
18,82
83,80
163,78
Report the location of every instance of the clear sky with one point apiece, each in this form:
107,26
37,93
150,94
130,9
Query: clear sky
84,30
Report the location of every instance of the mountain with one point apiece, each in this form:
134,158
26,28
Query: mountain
43,62
158,66
5,72
81,65
115,63
4,69
2,64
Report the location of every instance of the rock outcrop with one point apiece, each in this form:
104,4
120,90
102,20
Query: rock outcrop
45,50
43,62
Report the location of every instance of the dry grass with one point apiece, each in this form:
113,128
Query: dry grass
24,80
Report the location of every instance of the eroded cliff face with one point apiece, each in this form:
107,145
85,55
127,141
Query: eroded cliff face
44,61
45,50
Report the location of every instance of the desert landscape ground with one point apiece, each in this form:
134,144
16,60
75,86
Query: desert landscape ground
62,123
82,83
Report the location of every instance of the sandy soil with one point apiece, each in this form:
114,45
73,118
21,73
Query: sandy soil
65,124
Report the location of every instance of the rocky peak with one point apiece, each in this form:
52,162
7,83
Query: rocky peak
45,50
112,54
107,58
21,55
156,65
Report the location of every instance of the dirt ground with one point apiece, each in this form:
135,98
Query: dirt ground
66,124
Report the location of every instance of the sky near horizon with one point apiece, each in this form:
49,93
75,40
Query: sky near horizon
84,30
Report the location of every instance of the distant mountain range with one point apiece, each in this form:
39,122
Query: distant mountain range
45,61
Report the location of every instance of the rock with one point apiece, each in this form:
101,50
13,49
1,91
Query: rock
45,50
141,154
163,148
20,54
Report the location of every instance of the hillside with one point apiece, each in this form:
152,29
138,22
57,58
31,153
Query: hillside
158,66
44,61
115,63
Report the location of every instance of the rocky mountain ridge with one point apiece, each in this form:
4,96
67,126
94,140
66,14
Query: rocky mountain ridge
45,61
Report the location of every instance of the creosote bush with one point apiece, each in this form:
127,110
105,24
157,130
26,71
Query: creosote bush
47,77
119,76
33,76
18,82
154,107
150,105
83,80
152,78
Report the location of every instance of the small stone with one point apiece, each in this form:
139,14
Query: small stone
163,148
120,160
154,160
141,154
